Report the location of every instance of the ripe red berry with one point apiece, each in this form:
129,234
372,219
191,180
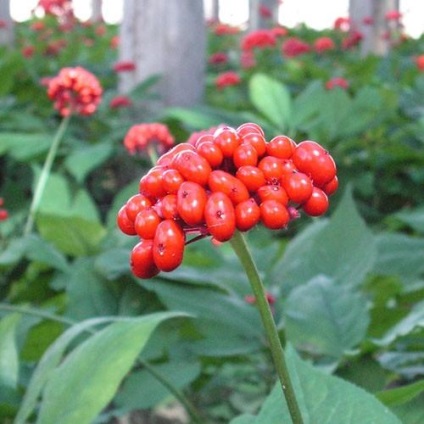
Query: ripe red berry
257,141
171,180
251,176
124,223
191,201
135,204
192,167
331,187
168,245
273,192
151,184
141,260
245,155
281,147
298,186
221,181
220,216
247,214
166,159
249,127
211,152
274,215
227,140
146,223
167,207
272,168
317,204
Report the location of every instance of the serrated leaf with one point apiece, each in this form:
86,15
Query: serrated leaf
326,318
272,99
69,396
9,360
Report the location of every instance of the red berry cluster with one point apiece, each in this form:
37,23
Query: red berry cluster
3,212
232,179
140,136
75,90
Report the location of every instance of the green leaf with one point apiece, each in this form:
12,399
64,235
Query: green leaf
414,320
49,362
74,236
343,249
69,396
333,318
400,255
323,399
413,218
401,395
272,99
411,412
84,160
24,147
142,390
9,359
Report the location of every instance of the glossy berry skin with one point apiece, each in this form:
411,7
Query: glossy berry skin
331,187
273,192
245,155
192,167
151,184
248,128
247,214
168,245
257,141
166,159
317,204
274,215
227,140
221,181
211,152
272,168
312,159
191,201
135,204
171,180
281,147
220,216
251,176
141,260
298,187
146,222
167,207
124,223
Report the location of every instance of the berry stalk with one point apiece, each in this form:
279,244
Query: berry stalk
241,249
45,172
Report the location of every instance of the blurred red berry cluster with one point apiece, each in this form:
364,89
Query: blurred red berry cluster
140,136
230,180
75,91
3,212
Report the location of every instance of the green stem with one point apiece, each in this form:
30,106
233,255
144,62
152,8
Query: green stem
151,152
45,172
53,317
241,249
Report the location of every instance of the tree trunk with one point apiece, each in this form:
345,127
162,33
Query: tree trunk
96,7
375,40
166,38
258,13
7,29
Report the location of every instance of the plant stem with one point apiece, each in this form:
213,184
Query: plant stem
159,377
241,249
45,172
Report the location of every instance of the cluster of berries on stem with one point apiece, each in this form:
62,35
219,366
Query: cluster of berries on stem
75,91
230,180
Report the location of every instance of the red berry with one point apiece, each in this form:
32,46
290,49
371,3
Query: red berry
274,215
251,176
312,159
281,147
227,140
331,187
146,223
273,192
167,158
191,201
171,180
272,168
247,214
245,155
192,167
124,223
211,152
168,245
317,204
228,184
167,207
135,204
257,141
298,187
151,183
249,127
220,216
141,260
